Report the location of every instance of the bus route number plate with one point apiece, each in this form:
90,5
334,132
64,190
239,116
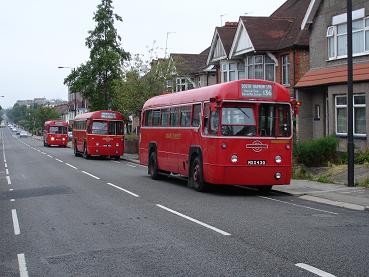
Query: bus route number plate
256,162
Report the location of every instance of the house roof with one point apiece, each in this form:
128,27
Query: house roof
273,31
333,75
189,63
226,35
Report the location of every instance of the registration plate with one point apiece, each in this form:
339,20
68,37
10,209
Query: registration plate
256,162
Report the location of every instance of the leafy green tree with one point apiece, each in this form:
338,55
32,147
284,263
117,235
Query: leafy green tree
95,79
141,81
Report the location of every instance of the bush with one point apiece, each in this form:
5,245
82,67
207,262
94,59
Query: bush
362,157
317,152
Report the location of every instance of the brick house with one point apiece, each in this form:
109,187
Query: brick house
190,71
323,88
270,48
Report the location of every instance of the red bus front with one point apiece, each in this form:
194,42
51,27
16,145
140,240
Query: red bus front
252,142
55,133
99,133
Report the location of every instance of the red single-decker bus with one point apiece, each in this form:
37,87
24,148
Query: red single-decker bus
235,133
55,133
99,133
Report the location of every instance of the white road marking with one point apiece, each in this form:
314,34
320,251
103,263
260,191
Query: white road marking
7,171
93,176
314,270
127,191
43,153
116,162
50,156
72,166
38,150
23,272
8,179
297,205
195,220
15,222
59,160
12,200
6,165
131,165
11,189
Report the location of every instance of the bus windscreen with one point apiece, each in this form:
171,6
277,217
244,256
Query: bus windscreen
57,130
107,128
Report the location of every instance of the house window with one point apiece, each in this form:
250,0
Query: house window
233,71
181,84
317,112
285,70
260,67
358,115
337,39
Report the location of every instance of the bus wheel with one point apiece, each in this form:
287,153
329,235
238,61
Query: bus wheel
76,153
45,144
153,166
197,178
85,154
117,158
265,189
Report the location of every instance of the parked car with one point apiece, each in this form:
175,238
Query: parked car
18,132
23,134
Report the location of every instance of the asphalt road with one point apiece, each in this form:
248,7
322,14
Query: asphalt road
62,215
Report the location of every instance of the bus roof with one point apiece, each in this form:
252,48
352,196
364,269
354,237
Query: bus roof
103,115
56,122
240,90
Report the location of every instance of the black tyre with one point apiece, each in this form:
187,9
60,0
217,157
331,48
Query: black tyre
45,144
85,153
116,158
153,166
76,153
196,178
265,189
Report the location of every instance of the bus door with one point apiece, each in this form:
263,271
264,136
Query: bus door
210,131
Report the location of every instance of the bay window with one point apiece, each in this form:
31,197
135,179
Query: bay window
285,70
358,115
232,70
260,67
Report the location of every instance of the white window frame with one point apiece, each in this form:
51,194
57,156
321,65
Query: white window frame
247,65
332,32
287,66
225,69
353,111
180,83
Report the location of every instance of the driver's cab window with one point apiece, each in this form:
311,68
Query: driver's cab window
211,120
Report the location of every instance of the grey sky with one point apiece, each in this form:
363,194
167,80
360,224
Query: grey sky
40,35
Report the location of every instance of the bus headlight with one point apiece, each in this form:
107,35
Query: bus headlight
234,159
97,144
278,176
117,144
52,139
63,139
278,159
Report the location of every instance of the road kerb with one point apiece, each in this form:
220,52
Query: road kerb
334,203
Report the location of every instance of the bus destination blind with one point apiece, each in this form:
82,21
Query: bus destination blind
257,90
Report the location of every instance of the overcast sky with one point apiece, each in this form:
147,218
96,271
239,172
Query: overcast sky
38,36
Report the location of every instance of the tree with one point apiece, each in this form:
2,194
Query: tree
141,81
95,79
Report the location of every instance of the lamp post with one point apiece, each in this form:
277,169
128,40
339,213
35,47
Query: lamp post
75,94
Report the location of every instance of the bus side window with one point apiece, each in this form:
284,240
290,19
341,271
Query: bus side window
185,116
214,122
164,118
174,117
148,118
196,115
206,118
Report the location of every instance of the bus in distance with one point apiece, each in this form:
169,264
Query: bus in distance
235,133
55,132
99,133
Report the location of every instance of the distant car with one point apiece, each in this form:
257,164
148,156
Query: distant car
14,129
18,132
70,135
23,134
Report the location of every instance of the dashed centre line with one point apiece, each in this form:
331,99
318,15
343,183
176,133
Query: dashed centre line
8,180
72,166
195,220
23,272
314,270
122,189
50,156
89,174
59,160
15,222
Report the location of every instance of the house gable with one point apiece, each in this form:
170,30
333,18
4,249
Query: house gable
242,42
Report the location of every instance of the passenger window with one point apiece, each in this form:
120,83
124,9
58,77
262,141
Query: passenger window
185,116
165,118
156,118
206,118
196,115
148,118
174,117
214,123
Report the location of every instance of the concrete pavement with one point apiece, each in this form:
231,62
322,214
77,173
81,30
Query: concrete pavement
355,198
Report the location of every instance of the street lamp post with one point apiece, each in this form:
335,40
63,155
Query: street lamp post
75,94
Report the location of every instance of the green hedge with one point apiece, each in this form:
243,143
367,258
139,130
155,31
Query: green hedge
316,152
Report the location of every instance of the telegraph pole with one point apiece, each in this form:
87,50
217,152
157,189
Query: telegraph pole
350,119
